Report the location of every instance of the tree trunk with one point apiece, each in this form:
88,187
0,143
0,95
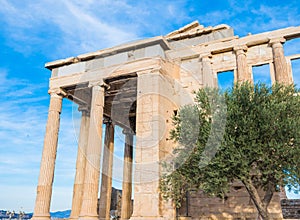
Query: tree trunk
260,206
269,194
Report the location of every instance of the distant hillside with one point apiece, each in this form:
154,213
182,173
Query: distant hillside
15,216
61,214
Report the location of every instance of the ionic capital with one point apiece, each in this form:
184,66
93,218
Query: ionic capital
240,49
84,109
128,131
57,93
99,83
205,57
277,41
107,121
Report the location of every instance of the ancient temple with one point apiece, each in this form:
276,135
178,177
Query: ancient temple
138,86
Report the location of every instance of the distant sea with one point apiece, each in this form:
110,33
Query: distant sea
58,214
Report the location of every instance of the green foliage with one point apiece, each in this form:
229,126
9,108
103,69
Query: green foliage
248,132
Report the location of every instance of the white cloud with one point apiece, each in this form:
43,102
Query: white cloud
22,126
216,17
68,28
85,30
254,17
20,110
274,17
71,26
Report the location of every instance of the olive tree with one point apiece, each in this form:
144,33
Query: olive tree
250,133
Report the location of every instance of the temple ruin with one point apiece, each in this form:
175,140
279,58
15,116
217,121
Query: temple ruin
138,86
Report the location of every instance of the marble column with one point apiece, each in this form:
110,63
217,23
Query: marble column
80,163
280,64
93,155
107,165
207,73
243,73
127,176
44,189
151,135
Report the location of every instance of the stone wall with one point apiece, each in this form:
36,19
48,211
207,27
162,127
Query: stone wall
236,206
290,208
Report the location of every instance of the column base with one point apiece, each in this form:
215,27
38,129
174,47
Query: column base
149,218
44,217
88,218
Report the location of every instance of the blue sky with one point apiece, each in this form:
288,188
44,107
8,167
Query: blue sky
35,32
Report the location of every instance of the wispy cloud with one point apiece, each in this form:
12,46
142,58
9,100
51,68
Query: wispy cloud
274,17
22,123
20,110
71,27
216,17
22,119
254,17
22,127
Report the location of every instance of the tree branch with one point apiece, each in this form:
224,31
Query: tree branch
256,199
268,195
